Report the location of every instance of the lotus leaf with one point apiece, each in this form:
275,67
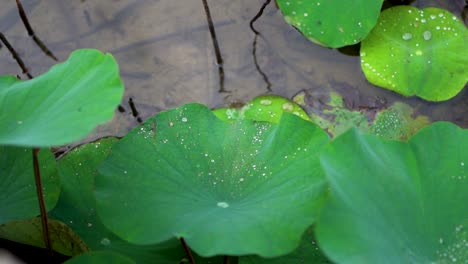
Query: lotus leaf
227,188
77,207
62,105
397,202
319,22
18,194
417,52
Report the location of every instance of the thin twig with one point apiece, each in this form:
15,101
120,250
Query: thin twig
219,58
31,33
257,16
134,110
187,251
42,206
254,44
15,55
257,66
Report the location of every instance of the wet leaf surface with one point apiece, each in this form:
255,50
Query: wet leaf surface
318,19
397,202
417,52
214,183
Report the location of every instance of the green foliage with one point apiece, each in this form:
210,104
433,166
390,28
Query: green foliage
77,207
98,257
262,108
417,52
62,105
319,22
252,183
29,231
397,202
395,122
306,252
214,183
17,187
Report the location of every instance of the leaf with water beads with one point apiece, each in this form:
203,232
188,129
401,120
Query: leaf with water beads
225,187
334,23
267,108
397,202
417,52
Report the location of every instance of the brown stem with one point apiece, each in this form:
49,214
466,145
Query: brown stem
226,260
187,251
219,58
40,198
15,55
31,33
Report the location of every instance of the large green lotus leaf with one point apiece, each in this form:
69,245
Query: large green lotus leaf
29,231
18,194
307,252
62,105
100,257
228,188
397,202
77,207
332,23
417,52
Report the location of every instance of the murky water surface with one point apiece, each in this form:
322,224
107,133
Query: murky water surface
167,58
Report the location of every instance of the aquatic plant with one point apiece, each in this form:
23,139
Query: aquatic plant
403,49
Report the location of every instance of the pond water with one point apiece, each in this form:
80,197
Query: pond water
166,54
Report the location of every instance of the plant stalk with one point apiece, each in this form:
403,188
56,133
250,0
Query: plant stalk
219,57
40,198
226,259
187,251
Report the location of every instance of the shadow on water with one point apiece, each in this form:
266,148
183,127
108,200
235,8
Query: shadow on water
167,56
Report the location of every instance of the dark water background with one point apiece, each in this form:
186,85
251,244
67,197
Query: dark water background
167,59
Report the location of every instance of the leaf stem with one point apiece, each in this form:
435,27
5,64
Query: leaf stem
226,259
40,198
219,57
31,32
187,250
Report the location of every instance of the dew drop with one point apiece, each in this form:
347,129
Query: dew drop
265,102
287,107
105,241
427,35
407,36
221,204
184,119
19,122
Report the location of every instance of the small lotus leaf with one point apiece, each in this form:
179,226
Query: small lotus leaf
77,207
262,108
397,202
29,231
334,23
62,105
18,194
225,187
417,52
